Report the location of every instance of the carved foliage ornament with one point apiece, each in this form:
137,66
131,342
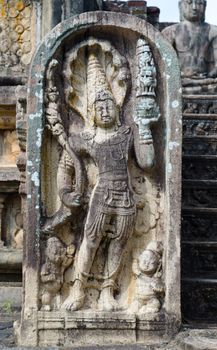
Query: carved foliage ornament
15,36
147,111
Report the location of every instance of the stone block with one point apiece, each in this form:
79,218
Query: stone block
103,186
10,298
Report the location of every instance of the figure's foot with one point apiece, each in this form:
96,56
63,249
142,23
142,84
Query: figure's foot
150,309
75,300
46,308
107,301
73,304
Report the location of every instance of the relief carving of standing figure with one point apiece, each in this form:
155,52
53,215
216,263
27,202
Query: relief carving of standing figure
111,212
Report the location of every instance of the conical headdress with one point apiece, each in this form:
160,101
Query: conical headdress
98,88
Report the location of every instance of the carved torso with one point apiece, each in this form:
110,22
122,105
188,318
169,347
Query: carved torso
146,286
112,193
115,151
193,46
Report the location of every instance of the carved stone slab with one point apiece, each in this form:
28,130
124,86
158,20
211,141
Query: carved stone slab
103,185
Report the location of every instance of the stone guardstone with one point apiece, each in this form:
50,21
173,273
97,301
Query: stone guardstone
102,258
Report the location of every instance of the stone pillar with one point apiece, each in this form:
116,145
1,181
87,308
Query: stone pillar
92,5
133,7
71,7
21,135
2,199
74,7
153,14
51,14
138,8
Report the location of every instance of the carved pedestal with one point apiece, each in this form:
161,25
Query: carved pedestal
103,186
93,328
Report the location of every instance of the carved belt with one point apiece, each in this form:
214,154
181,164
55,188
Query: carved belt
119,198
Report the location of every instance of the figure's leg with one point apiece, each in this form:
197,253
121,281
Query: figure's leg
134,307
83,263
116,250
46,301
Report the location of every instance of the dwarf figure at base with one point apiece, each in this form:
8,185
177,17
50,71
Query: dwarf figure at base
58,258
149,287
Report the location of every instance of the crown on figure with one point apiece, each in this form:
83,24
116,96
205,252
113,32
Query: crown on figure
97,83
98,86
104,95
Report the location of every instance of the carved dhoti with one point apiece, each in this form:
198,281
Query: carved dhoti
111,216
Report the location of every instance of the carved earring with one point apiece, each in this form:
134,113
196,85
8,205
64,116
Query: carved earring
118,120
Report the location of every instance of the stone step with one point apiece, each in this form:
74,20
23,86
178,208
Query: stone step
121,347
6,329
198,340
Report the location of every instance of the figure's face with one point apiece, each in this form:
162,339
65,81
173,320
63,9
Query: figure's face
56,252
193,10
105,113
148,262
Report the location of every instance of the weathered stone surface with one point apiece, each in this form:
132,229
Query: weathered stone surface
195,43
116,6
130,347
137,8
6,327
11,260
199,209
73,7
9,177
74,114
51,14
10,211
153,15
15,24
198,340
11,296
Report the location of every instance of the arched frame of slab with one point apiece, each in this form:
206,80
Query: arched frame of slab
170,84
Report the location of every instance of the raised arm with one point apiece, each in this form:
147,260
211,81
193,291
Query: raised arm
144,149
54,123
